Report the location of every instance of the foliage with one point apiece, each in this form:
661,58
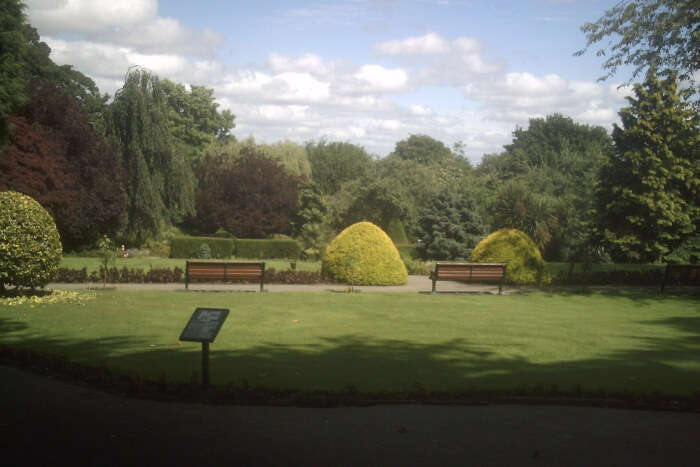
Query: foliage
516,207
290,155
363,254
193,116
648,197
307,221
396,232
422,149
189,247
525,263
159,182
55,157
38,67
107,254
335,163
372,198
661,34
449,227
550,170
53,297
12,49
267,248
251,197
30,247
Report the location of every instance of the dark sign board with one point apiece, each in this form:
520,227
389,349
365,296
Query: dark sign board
204,324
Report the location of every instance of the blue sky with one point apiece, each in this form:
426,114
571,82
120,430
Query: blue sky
367,71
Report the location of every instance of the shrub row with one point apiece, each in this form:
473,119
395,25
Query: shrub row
267,249
123,275
190,247
648,277
223,248
167,275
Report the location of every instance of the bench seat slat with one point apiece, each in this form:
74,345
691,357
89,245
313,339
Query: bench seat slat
223,270
469,272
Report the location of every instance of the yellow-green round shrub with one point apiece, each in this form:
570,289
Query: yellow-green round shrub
525,263
30,247
363,254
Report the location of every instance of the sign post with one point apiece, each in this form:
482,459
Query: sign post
203,327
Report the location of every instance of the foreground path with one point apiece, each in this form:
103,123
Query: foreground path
47,421
415,284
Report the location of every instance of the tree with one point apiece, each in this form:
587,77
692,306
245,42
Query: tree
422,149
517,207
660,34
251,197
12,49
55,157
450,227
159,183
648,195
333,164
193,116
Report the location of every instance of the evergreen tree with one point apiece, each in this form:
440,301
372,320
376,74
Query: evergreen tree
648,193
159,182
450,227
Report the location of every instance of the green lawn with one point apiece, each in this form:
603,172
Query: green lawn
615,341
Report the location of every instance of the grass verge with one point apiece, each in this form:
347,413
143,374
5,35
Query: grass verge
395,346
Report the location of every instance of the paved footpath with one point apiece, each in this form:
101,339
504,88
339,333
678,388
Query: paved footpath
415,284
49,422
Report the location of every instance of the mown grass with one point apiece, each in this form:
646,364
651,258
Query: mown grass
617,341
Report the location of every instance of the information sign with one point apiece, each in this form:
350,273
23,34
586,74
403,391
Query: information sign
204,325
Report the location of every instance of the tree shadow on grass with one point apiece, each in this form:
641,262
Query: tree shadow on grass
640,295
373,367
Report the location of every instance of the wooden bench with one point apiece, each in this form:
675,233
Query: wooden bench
681,274
224,270
469,272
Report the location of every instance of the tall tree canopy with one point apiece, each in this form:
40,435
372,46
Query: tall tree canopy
159,182
663,34
194,117
55,157
648,197
335,163
12,50
422,149
251,196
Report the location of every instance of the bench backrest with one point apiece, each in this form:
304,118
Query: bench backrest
470,271
225,270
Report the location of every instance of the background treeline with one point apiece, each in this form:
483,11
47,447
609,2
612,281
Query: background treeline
157,160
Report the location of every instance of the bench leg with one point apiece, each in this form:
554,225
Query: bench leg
500,288
433,290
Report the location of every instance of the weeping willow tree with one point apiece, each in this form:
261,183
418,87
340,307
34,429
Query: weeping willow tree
159,182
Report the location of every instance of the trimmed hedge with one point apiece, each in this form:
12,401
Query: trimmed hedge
190,247
525,263
267,249
30,246
363,254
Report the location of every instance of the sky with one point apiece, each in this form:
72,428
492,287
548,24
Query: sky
370,72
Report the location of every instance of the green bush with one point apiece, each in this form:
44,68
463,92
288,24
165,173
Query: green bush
30,247
363,254
267,249
525,263
408,251
190,247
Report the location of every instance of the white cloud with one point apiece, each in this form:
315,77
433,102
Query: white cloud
434,60
76,16
516,97
428,44
382,79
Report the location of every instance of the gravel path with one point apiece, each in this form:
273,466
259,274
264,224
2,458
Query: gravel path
415,284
